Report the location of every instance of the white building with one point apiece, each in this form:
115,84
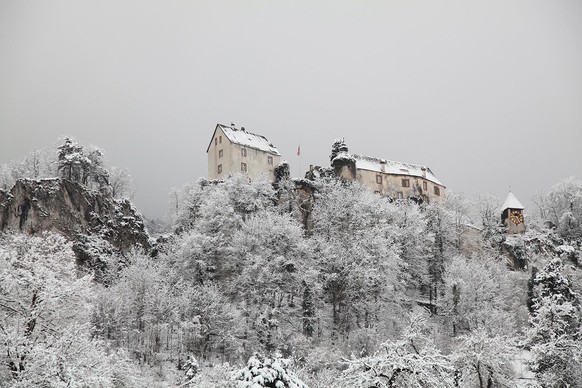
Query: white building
236,151
398,180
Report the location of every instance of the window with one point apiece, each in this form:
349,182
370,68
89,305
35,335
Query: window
243,152
406,182
270,160
437,191
219,168
220,139
399,195
243,167
379,179
215,141
220,153
424,186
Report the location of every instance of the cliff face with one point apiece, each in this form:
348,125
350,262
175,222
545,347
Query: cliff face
66,207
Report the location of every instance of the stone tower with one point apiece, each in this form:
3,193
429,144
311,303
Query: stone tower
512,215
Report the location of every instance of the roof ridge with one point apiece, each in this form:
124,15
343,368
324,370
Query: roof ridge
373,158
241,130
248,139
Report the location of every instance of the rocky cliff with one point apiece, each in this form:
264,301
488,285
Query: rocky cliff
95,221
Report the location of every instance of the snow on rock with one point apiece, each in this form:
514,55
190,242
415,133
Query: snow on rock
96,222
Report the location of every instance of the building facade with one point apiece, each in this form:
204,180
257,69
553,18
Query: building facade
398,180
235,151
391,179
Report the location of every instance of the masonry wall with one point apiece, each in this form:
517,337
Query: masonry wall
232,156
214,159
256,161
510,227
392,185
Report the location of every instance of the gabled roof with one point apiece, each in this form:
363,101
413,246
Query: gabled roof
244,138
511,202
396,168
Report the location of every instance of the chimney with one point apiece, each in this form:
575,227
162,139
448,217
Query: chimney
242,129
423,169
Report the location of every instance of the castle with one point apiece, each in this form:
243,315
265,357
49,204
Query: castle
236,151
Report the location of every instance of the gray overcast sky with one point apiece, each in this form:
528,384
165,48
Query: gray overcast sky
487,93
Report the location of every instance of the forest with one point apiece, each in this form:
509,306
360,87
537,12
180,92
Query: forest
255,284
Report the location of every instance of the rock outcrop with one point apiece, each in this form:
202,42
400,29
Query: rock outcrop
94,221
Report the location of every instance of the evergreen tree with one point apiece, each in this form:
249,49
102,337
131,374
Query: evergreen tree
338,146
308,310
555,333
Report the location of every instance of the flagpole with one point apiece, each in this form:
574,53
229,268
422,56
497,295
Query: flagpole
299,154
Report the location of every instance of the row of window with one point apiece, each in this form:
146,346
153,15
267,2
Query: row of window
406,183
218,140
243,166
244,153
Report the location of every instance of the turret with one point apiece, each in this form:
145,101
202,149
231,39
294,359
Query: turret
512,215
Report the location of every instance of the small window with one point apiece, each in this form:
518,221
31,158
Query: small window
406,182
424,186
220,139
379,179
243,167
437,191
219,168
215,141
243,151
270,160
399,195
220,153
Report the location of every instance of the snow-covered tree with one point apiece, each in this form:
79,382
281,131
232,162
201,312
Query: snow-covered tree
439,228
555,334
95,170
45,339
39,163
472,296
458,208
561,206
412,361
338,146
267,372
121,182
484,360
354,239
71,160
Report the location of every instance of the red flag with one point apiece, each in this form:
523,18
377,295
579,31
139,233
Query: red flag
299,150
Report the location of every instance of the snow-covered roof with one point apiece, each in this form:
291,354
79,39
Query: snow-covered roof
396,168
511,202
247,139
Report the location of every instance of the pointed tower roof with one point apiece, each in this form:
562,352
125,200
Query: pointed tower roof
511,202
